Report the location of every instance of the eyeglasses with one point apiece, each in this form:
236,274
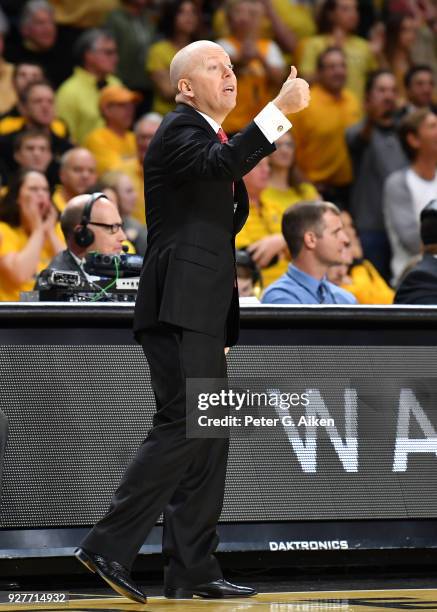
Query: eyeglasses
111,228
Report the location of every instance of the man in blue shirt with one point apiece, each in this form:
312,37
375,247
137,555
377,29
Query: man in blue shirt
315,238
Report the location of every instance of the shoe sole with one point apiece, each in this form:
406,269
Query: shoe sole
88,563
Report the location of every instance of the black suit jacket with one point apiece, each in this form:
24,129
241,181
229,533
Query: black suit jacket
191,182
420,285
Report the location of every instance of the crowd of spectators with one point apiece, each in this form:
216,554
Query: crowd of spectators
84,86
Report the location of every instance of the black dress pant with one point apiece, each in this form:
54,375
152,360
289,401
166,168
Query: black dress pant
179,476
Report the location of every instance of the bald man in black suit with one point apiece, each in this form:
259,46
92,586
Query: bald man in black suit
186,314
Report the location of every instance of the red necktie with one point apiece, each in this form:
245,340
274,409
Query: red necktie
221,134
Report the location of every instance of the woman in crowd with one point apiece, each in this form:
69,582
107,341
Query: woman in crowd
338,21
424,13
30,235
126,195
357,275
286,184
400,37
179,24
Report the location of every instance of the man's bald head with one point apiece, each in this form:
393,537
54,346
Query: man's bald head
75,154
203,76
73,212
187,58
78,171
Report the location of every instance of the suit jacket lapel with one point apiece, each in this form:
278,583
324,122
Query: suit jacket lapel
195,116
240,194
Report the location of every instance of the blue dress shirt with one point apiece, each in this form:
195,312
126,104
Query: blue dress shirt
297,287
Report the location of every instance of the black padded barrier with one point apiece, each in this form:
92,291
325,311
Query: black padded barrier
75,389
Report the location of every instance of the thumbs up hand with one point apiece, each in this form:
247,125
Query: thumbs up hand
294,95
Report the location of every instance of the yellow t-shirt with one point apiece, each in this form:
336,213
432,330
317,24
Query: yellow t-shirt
111,151
263,221
159,58
13,240
77,103
319,134
83,13
368,286
11,124
9,96
286,197
296,16
359,57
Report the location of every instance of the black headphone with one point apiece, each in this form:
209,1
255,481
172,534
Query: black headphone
83,236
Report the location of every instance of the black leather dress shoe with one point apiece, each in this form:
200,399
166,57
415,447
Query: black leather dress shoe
115,574
218,589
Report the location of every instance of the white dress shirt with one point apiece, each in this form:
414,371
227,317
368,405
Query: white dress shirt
271,121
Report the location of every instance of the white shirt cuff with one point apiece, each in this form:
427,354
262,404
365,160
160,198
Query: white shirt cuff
272,122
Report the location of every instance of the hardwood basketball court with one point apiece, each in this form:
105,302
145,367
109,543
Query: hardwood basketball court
342,601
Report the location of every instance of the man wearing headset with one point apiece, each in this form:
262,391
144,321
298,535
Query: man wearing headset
89,223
